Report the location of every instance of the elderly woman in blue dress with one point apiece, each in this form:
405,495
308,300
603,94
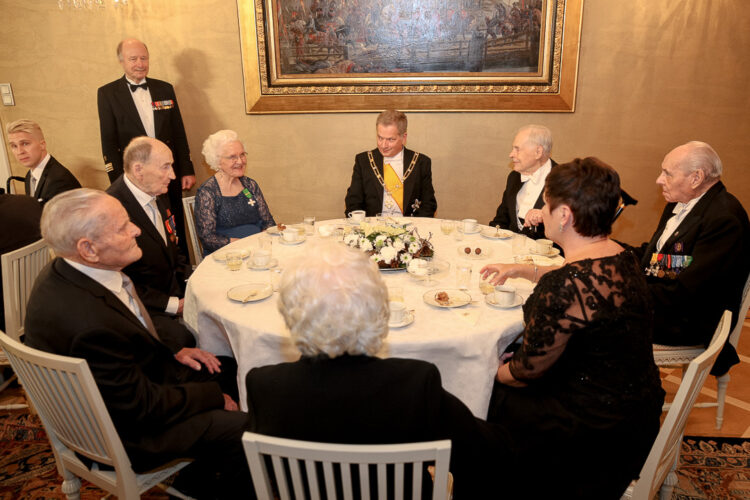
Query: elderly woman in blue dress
229,205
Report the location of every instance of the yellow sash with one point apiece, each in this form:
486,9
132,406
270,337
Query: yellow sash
394,186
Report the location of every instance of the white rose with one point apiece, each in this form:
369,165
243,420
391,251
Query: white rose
388,254
398,244
365,245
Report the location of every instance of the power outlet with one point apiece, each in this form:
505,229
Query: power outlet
7,94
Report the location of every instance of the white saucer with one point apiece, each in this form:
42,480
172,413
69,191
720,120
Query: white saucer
295,242
250,292
221,255
271,264
273,231
554,252
475,231
494,234
490,300
486,252
407,320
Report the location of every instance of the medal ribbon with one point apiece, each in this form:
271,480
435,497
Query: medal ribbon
249,197
394,186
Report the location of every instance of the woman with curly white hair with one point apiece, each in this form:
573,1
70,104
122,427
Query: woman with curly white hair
229,205
335,304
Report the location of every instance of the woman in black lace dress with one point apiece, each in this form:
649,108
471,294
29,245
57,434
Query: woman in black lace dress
578,404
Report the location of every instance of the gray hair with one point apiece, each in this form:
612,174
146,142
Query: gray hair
539,135
701,156
334,302
73,215
138,150
119,47
215,142
24,125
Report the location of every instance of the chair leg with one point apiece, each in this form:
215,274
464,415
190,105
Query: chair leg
721,395
71,486
667,488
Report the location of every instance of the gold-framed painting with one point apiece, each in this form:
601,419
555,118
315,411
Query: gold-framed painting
317,56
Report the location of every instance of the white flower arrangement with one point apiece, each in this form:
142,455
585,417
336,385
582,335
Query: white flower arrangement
391,246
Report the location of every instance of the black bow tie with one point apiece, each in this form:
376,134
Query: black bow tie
133,87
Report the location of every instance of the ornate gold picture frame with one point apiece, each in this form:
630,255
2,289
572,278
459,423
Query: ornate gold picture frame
317,56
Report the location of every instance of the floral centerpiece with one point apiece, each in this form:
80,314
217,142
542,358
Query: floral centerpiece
392,246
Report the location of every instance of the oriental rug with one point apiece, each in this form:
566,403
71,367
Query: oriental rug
710,468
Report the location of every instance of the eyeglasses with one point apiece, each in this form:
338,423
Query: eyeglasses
234,158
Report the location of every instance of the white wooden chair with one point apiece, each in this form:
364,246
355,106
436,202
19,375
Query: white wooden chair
680,356
188,204
333,458
658,473
72,411
20,269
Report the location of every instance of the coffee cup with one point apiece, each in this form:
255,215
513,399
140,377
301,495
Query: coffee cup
357,215
469,225
290,234
261,258
544,247
505,295
398,311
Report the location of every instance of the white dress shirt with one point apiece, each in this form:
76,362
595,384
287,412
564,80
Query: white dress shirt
390,207
142,100
36,174
530,191
680,211
148,204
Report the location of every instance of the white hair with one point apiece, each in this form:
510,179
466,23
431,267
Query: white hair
73,215
215,142
701,156
539,135
334,302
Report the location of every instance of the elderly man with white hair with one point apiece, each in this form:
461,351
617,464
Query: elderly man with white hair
229,205
335,304
163,406
521,207
696,263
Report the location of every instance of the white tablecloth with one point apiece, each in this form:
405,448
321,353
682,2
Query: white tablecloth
462,342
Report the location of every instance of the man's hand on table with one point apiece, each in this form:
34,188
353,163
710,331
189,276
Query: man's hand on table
194,358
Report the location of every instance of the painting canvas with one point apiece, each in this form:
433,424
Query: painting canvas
362,55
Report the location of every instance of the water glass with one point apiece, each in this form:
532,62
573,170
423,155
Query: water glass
446,226
463,276
234,260
309,223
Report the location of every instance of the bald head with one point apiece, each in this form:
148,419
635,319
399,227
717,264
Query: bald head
133,56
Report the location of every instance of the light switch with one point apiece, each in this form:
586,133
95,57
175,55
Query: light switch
7,94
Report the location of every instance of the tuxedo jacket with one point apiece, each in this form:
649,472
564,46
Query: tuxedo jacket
506,212
119,122
365,400
54,180
160,407
716,234
161,272
366,193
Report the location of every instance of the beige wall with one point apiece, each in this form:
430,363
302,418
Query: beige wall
652,75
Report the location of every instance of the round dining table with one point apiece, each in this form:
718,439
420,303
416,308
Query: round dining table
463,342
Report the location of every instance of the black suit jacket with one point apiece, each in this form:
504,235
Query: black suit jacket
716,233
19,226
506,212
161,272
119,123
366,400
160,407
54,180
366,193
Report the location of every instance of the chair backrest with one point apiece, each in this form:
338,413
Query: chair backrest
11,188
734,337
188,205
664,452
68,402
20,269
305,465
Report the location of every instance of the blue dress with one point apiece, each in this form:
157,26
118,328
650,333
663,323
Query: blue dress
219,218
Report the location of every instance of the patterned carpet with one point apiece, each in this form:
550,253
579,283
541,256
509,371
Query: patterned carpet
710,468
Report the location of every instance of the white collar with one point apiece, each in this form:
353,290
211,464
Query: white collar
540,174
686,206
36,172
111,280
397,157
142,197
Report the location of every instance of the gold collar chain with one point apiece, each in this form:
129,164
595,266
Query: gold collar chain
380,177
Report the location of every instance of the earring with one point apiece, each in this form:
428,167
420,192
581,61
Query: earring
562,228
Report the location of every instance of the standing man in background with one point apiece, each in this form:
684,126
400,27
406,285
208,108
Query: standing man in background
133,106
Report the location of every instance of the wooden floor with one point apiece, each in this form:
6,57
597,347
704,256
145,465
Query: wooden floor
702,421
